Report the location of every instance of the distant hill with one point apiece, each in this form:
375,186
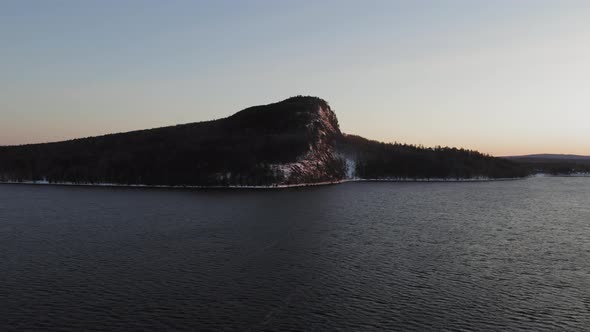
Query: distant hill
557,157
556,164
295,141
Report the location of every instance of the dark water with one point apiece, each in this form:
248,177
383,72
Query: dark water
359,256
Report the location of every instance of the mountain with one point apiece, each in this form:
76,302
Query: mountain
287,142
295,141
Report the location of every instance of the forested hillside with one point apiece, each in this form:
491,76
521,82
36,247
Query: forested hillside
295,141
260,145
376,160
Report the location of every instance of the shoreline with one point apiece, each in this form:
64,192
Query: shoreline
147,186
278,186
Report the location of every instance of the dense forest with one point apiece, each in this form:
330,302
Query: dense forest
294,141
376,160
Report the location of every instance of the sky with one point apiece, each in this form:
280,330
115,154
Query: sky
503,77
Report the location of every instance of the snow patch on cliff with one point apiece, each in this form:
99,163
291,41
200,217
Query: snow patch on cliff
350,168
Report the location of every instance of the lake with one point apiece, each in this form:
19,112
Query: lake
509,255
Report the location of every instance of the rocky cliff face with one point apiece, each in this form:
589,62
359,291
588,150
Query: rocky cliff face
320,163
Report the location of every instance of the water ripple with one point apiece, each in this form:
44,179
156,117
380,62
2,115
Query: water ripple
359,256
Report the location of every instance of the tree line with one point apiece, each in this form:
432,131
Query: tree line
376,160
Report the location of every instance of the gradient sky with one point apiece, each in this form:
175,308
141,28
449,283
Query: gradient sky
503,77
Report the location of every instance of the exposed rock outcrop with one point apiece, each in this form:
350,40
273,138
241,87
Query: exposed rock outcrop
320,163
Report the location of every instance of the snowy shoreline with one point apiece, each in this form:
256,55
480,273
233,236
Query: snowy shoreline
278,186
572,175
